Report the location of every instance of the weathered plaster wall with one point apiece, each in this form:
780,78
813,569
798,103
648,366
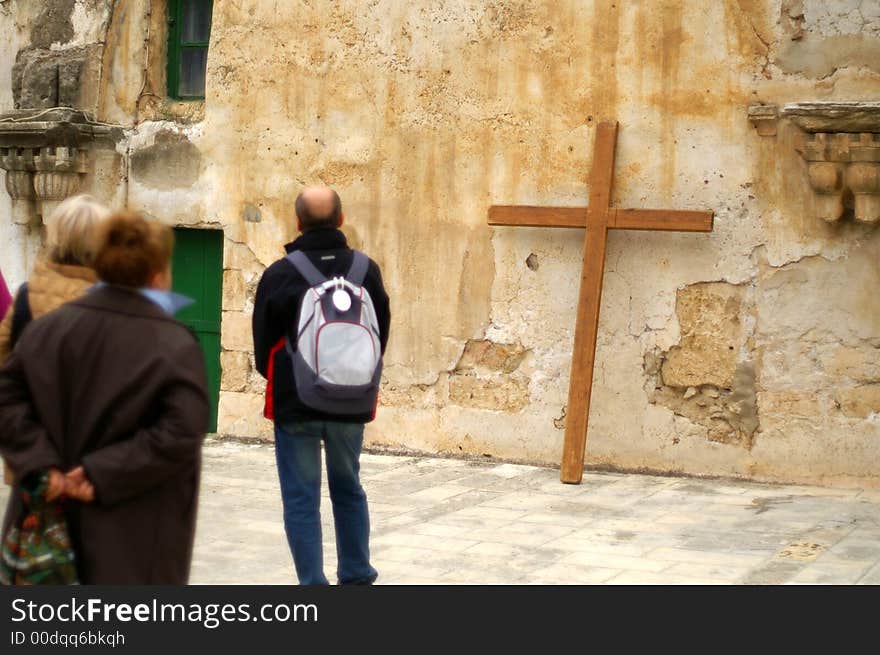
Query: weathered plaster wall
744,352
750,351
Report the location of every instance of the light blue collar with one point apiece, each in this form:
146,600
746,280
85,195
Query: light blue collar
169,301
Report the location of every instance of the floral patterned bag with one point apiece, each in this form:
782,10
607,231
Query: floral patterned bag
37,550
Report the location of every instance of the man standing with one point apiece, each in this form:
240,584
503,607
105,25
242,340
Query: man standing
302,420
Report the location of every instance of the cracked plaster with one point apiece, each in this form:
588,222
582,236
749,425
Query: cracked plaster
422,116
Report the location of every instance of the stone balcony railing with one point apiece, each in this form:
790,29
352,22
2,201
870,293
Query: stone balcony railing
45,154
840,143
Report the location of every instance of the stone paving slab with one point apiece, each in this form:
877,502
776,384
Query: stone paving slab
445,521
442,521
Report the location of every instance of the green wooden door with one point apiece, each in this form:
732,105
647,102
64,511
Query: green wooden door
198,273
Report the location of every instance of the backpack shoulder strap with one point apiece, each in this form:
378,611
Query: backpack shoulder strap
359,266
306,268
21,313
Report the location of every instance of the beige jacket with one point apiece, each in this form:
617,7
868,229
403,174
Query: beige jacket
50,286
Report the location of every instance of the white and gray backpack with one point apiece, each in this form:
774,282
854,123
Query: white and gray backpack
337,364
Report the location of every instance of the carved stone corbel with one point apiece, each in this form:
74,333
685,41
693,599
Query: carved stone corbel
19,166
764,118
826,180
863,179
45,155
840,142
58,174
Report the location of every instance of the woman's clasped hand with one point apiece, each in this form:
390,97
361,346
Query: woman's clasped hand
73,484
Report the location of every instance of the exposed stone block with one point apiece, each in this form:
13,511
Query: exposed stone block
414,395
794,405
236,369
702,378
857,364
241,415
234,290
240,257
53,78
490,356
859,402
502,393
764,118
730,415
236,332
712,336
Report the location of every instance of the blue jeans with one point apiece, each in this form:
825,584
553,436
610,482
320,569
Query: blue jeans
298,455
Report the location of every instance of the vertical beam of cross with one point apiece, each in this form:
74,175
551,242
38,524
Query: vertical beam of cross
580,384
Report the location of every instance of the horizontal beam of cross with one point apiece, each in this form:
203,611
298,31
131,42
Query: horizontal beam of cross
618,219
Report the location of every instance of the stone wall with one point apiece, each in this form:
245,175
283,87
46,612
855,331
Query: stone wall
751,351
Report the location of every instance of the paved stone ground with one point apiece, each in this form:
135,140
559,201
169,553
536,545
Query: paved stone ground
440,521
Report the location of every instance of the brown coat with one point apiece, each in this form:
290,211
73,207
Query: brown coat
119,387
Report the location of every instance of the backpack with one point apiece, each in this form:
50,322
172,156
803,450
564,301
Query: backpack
337,362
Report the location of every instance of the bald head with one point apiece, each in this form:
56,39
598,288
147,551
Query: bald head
318,206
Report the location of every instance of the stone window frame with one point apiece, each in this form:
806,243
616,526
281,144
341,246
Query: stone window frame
176,45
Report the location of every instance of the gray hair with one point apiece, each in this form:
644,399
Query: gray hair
71,230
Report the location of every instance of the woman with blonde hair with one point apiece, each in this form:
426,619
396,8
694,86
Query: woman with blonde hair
61,275
64,273
110,391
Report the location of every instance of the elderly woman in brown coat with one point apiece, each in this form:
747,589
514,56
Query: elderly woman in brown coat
110,390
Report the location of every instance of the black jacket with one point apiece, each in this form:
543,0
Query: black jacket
276,316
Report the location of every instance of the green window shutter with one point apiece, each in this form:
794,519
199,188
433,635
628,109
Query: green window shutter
189,31
197,270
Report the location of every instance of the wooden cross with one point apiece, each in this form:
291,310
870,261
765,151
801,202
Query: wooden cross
598,218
